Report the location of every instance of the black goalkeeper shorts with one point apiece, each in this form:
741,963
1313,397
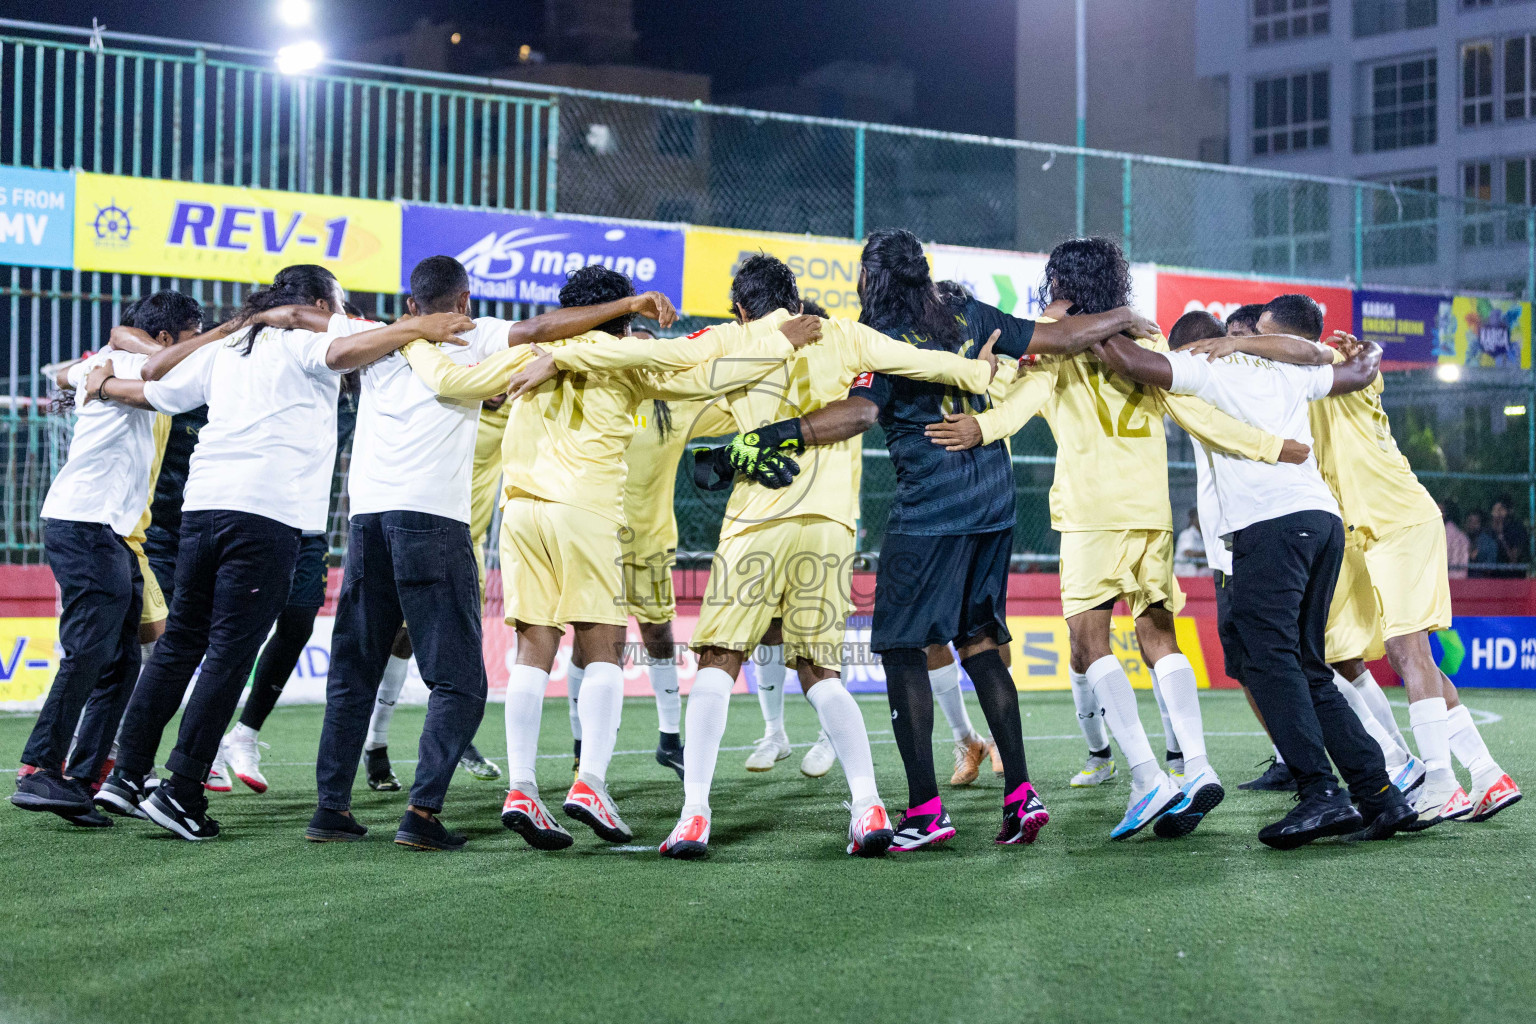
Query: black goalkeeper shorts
939,590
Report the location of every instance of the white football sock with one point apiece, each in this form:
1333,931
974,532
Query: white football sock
1109,681
241,731
669,703
390,684
524,710
1279,757
1468,746
1170,735
145,650
1175,677
602,708
572,698
770,688
1380,707
708,704
1090,713
1394,755
844,726
1432,733
945,683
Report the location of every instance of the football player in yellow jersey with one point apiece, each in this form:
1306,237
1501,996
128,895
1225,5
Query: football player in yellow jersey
562,514
1110,504
1397,592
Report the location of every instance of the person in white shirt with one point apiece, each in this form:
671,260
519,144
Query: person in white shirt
1189,549
261,475
409,557
1286,537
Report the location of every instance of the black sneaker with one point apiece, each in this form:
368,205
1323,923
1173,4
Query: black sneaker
1328,813
1277,778
48,790
669,752
420,833
180,815
381,777
328,826
1384,814
91,819
123,795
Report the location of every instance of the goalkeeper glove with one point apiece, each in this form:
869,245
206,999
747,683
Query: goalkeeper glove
712,471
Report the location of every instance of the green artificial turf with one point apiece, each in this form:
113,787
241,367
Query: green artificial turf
128,924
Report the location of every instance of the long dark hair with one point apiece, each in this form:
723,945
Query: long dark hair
663,419
1090,273
302,284
898,293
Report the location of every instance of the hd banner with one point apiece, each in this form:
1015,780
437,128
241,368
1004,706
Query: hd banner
1488,651
223,233
827,269
36,217
1014,281
517,257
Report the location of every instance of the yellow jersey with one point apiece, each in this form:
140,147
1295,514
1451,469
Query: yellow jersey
1356,453
1111,452
650,480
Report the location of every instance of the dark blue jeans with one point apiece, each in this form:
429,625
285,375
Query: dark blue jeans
232,575
417,568
102,594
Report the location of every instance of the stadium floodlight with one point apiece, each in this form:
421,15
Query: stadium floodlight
1514,410
295,13
297,58
1449,373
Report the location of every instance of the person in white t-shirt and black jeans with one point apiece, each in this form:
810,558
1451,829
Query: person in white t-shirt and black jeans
260,475
1287,542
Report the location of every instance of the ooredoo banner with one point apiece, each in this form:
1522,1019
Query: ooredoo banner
1178,294
518,257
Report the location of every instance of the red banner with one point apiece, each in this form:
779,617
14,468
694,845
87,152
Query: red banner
1178,294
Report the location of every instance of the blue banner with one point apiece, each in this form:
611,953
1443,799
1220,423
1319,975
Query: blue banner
1406,326
517,257
37,217
1488,651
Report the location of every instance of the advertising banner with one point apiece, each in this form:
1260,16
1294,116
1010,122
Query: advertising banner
223,233
1012,281
517,257
827,269
36,217
1407,327
1488,651
1484,332
29,657
1178,294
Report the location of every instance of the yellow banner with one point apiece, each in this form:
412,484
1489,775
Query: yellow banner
1041,651
827,270
224,233
28,659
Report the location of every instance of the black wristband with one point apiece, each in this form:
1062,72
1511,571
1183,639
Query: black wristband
785,435
101,390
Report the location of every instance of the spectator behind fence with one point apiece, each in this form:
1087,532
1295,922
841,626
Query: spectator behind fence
1189,551
1485,550
1458,547
1510,535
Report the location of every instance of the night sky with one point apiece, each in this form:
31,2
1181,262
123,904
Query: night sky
960,50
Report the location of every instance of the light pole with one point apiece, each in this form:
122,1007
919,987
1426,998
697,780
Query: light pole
295,60
1082,110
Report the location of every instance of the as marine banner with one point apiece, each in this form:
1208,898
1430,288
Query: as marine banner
224,233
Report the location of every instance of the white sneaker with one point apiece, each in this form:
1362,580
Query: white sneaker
1096,771
1440,798
769,751
218,775
869,831
819,759
689,839
244,760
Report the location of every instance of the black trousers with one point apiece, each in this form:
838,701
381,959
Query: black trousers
404,567
232,574
1283,574
102,594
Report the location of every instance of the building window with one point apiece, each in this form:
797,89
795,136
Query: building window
1402,95
1403,230
1519,190
1472,5
1290,113
1477,220
1290,228
1374,17
1519,78
1476,84
1277,21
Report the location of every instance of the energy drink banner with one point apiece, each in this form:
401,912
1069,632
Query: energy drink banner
827,269
1484,332
1013,281
224,233
1407,327
36,217
518,257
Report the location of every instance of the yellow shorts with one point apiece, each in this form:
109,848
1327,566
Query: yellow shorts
484,488
559,564
1102,566
648,581
799,570
1354,621
154,609
1413,587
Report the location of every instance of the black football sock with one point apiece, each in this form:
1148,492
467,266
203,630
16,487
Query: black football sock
278,659
911,699
1000,703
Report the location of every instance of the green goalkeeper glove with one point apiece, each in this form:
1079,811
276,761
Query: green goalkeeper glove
763,454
